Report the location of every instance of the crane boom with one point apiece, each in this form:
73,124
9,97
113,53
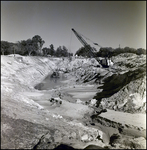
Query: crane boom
80,38
84,43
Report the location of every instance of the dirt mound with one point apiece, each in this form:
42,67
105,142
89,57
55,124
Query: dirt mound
116,82
128,98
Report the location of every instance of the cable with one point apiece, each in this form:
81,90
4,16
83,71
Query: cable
90,40
70,41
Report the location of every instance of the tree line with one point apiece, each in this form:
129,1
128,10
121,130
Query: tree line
33,47
89,51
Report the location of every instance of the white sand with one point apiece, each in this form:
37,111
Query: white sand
126,118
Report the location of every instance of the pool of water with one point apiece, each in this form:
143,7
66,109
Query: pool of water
51,83
82,92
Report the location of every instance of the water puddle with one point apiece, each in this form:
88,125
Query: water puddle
51,83
82,92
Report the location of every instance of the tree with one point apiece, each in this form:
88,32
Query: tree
51,50
8,48
141,51
52,46
24,47
106,52
80,52
59,51
45,51
37,44
70,54
31,46
85,51
64,51
4,47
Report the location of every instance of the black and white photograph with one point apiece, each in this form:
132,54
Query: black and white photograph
73,75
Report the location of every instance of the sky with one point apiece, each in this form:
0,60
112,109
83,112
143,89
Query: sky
108,23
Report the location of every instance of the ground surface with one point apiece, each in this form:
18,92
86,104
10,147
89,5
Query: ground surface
77,112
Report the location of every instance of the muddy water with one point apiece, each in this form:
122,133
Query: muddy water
82,92
51,83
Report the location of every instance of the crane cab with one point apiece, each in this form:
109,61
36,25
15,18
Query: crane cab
105,62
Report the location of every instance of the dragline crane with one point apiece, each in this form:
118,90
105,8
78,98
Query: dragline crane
84,43
104,62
